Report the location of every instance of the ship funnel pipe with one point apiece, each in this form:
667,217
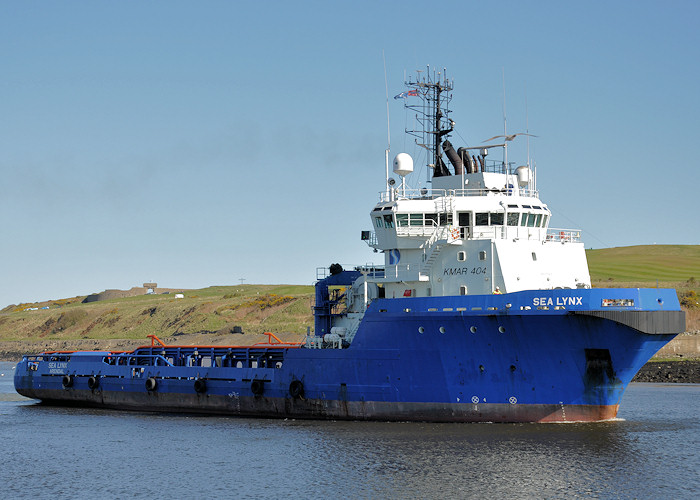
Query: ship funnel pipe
467,160
454,158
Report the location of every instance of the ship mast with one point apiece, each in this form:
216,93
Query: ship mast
432,114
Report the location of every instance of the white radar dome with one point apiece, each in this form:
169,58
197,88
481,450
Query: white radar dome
403,164
523,173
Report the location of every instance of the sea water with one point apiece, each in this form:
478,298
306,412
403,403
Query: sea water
651,451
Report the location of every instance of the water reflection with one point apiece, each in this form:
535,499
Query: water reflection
73,453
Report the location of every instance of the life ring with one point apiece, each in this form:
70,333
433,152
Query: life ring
258,387
93,382
67,381
296,389
151,384
200,385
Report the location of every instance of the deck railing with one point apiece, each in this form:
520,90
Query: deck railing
432,194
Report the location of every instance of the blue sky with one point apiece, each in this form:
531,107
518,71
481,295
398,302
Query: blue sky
201,143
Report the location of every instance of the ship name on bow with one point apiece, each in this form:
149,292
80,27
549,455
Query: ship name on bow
557,301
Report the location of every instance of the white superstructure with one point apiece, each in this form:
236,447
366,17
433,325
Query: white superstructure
479,230
472,233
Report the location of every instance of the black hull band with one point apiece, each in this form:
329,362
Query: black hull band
261,406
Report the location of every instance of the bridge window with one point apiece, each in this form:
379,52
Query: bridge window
538,220
496,218
481,219
513,218
530,220
388,221
523,219
544,220
378,222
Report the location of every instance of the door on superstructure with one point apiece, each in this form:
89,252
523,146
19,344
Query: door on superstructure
464,221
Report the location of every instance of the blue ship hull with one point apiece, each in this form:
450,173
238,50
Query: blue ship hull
532,356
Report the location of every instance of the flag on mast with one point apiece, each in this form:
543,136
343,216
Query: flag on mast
404,95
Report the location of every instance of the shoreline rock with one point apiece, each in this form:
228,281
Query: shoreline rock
679,372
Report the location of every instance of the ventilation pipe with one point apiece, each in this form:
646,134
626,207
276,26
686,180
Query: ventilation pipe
453,156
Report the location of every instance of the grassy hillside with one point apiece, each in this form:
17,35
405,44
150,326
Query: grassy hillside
645,264
283,309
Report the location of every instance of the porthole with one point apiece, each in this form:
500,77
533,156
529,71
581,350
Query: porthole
442,329
501,329
473,329
461,256
421,329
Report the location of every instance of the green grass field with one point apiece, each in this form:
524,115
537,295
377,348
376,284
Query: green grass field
645,264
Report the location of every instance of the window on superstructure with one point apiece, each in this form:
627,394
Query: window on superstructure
513,218
461,256
415,219
481,219
530,220
544,220
482,255
378,222
388,221
431,220
496,218
538,220
402,220
445,219
523,219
